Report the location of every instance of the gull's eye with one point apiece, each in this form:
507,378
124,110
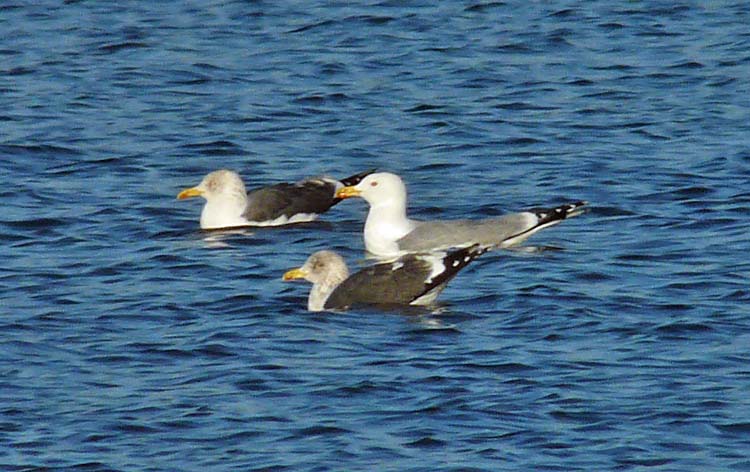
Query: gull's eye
374,183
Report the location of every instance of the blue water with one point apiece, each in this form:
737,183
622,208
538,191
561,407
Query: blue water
131,341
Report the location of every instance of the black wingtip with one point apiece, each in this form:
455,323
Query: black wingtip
356,178
460,258
454,261
547,215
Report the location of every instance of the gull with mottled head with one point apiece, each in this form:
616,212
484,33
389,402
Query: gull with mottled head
229,205
414,279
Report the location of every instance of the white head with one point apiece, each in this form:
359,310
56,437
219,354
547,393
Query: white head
226,199
326,270
386,221
381,188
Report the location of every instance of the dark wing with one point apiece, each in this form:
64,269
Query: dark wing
313,196
453,262
353,180
356,178
403,280
310,196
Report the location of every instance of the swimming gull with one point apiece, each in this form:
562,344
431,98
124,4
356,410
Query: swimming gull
389,232
228,205
414,279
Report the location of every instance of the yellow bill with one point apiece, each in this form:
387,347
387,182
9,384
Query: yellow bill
348,192
189,192
294,274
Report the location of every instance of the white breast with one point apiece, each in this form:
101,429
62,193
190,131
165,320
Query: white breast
221,215
380,239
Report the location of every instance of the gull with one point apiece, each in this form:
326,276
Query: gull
389,232
414,279
229,205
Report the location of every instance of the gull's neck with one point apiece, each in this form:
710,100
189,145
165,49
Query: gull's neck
224,210
322,289
386,224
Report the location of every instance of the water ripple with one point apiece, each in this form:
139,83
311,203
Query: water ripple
134,341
